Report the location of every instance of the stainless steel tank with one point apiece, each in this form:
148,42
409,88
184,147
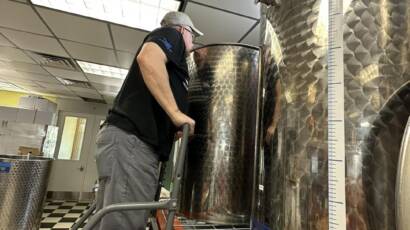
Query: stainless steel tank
292,191
23,184
403,183
377,105
377,58
380,138
224,94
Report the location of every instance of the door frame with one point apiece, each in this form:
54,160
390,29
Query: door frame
56,182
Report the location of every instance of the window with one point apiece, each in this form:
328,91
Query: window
72,138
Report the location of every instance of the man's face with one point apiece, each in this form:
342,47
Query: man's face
188,36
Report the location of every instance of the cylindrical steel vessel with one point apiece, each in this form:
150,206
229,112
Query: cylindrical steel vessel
403,182
292,191
23,184
377,105
224,101
377,71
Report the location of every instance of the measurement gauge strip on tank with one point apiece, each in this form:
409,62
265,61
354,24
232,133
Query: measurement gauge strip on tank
336,132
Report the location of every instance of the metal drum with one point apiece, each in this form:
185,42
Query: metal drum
292,185
377,99
224,101
403,182
377,105
23,184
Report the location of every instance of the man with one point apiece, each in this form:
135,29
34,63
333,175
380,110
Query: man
141,126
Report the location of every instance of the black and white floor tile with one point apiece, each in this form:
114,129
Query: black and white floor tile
61,215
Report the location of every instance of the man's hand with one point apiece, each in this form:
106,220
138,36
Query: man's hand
179,118
269,134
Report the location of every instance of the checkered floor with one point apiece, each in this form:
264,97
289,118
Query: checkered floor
62,214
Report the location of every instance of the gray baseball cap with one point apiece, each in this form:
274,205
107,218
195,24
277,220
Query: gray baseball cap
179,18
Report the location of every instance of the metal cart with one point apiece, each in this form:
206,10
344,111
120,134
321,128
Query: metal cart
170,204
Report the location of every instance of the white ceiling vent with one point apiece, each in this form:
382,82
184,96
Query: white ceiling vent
54,61
74,83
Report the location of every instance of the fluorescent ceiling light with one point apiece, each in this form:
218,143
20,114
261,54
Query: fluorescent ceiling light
103,70
142,14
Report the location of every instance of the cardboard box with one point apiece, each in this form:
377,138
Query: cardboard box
28,150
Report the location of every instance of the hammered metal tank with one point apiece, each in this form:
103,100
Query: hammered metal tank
403,183
377,106
224,101
292,191
23,184
377,99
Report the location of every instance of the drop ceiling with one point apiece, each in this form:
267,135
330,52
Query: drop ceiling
25,28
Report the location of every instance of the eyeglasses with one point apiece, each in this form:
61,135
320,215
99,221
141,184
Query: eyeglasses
191,32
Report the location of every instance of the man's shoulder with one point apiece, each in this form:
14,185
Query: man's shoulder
164,31
170,40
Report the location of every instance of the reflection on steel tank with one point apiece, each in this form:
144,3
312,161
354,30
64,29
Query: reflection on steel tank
224,99
377,106
376,51
293,180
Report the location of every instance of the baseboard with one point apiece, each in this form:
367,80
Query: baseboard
74,196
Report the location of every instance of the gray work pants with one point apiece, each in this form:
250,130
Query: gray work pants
128,172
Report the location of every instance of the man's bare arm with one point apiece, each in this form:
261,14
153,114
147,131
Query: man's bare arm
152,62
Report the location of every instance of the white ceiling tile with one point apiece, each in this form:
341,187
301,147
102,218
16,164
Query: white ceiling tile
127,39
89,95
91,53
67,74
26,67
14,54
106,89
55,89
83,90
109,99
125,59
209,21
244,7
52,86
77,28
35,42
109,94
25,83
56,93
42,92
5,72
31,88
36,77
253,37
4,41
105,80
74,97
22,17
